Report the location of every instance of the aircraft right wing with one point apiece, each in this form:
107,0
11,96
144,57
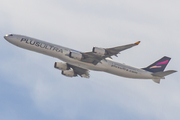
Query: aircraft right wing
99,54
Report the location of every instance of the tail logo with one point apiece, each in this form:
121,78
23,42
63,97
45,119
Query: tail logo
160,63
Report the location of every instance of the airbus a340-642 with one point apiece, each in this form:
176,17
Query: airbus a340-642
79,63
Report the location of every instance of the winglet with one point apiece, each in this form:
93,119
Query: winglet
137,43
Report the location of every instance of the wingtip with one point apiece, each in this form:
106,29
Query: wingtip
174,70
137,43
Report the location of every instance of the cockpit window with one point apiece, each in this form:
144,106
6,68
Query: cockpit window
10,34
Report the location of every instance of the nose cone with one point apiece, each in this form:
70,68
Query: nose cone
8,37
5,37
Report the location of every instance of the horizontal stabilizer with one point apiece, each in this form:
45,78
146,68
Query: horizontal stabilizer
165,73
156,80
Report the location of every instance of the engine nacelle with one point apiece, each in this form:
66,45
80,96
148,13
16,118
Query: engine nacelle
99,51
75,55
61,66
69,73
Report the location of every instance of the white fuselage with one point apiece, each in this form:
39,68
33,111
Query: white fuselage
62,53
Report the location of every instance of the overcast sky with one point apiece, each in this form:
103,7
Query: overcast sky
30,87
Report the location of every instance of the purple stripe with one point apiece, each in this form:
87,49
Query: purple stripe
161,63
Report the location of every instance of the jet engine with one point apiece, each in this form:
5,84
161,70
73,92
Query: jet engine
69,73
75,55
61,66
99,51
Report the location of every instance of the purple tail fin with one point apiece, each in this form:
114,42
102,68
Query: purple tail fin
159,65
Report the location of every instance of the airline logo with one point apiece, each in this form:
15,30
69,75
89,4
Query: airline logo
41,45
160,63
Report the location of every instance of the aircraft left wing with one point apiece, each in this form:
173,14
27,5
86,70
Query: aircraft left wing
80,71
99,54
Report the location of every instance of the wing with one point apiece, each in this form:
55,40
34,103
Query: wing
93,58
80,71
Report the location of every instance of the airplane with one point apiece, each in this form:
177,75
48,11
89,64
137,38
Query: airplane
99,59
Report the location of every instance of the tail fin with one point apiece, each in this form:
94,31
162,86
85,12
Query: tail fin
159,65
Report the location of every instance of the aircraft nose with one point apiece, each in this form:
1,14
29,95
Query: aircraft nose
8,37
5,37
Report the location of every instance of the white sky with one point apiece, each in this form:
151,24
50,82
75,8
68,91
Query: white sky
31,88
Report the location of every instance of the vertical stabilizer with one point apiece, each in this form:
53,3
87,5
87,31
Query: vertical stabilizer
159,65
